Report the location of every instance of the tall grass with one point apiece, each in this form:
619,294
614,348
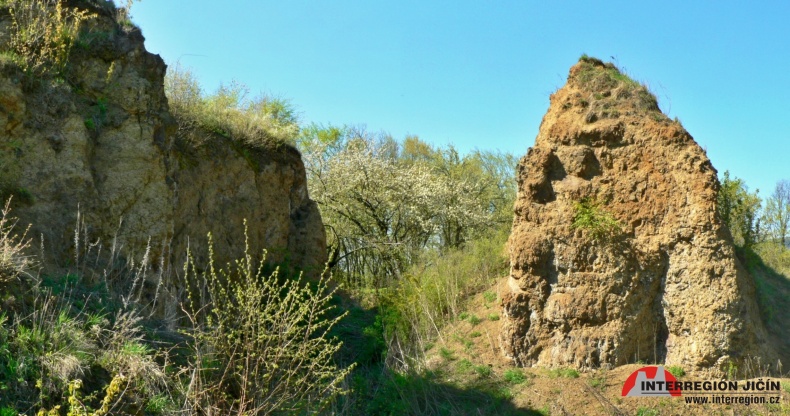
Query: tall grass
13,246
433,293
42,34
259,122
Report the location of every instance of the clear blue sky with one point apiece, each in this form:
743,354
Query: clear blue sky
478,74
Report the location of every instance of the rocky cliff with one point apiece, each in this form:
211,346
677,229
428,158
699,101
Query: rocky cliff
617,252
98,139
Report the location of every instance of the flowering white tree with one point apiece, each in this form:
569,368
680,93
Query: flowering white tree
385,202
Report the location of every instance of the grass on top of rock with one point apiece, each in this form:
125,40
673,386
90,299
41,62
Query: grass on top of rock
41,34
612,87
262,122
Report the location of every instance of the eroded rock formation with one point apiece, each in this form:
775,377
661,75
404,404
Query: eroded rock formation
662,284
100,137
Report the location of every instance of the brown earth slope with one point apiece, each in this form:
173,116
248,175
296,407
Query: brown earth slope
617,253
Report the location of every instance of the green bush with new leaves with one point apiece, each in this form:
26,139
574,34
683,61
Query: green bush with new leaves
261,342
254,343
589,216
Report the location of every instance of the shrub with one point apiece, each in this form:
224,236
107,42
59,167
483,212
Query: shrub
43,33
589,216
45,354
434,293
261,342
676,370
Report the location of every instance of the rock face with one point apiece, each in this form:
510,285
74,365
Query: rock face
101,141
661,284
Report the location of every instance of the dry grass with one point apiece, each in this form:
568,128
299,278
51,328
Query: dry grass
13,246
43,33
260,122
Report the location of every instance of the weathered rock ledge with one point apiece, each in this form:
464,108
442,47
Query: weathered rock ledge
101,141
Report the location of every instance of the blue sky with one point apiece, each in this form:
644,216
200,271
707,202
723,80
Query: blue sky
478,74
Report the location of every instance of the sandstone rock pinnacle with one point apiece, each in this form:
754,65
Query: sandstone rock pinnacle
617,252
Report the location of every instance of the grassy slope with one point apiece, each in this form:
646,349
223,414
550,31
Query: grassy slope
469,357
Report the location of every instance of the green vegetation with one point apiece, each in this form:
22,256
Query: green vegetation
254,342
489,296
563,373
272,333
646,411
607,85
465,366
515,376
589,216
483,370
43,33
760,236
446,354
414,233
262,122
739,209
598,381
676,371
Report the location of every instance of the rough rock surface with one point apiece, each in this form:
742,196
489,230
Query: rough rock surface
664,285
101,141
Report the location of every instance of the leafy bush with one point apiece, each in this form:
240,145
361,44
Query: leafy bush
261,342
43,33
676,370
589,216
261,122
